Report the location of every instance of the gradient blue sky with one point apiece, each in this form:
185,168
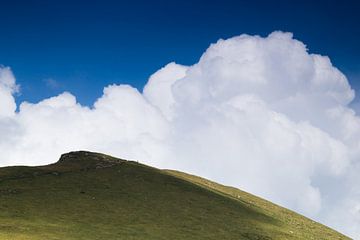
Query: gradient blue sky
82,46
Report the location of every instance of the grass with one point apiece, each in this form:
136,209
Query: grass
94,196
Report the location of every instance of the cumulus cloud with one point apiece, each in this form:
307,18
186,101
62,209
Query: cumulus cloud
262,114
7,88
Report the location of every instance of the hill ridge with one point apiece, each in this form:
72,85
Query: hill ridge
88,195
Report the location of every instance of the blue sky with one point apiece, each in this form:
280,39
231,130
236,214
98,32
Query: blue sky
82,46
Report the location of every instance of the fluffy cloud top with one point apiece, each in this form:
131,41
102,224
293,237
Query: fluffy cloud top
258,113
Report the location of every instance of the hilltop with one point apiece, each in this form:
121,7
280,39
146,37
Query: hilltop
89,196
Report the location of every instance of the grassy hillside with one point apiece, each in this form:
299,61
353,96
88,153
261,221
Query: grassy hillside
94,196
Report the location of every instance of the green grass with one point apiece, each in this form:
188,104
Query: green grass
94,196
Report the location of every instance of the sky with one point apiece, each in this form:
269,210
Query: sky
256,95
81,46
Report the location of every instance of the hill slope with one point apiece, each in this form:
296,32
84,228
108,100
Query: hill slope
94,196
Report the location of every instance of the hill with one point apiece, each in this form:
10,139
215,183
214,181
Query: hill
94,196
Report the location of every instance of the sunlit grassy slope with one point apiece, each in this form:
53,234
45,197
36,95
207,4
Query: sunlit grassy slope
94,196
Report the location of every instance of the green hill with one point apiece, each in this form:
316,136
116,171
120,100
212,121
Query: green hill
94,196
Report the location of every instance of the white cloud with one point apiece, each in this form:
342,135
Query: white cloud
258,113
7,88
